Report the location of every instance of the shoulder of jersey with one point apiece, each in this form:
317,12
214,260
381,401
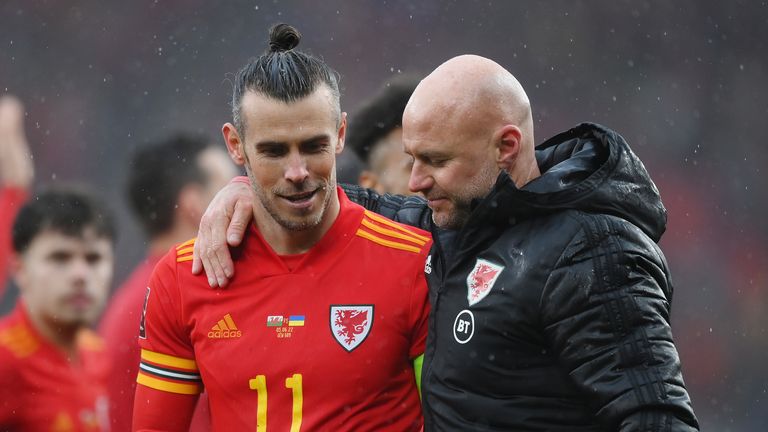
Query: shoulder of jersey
18,340
184,250
390,234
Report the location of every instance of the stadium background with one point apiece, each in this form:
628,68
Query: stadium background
684,82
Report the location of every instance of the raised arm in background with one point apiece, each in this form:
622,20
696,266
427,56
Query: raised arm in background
16,174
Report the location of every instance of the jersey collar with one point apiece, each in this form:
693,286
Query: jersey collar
267,262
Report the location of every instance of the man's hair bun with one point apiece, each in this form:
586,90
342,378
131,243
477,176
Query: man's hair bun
283,37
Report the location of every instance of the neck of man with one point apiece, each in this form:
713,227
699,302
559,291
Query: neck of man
285,241
523,174
60,334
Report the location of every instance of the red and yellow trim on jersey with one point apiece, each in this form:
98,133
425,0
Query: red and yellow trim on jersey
184,250
383,231
169,373
19,340
88,340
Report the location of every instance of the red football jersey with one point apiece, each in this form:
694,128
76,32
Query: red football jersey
41,389
327,345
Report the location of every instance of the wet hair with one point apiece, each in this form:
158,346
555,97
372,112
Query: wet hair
379,115
282,73
157,174
67,211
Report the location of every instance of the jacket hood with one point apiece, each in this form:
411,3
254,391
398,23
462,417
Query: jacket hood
588,168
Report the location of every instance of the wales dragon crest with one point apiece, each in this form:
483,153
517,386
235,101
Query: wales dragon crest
351,324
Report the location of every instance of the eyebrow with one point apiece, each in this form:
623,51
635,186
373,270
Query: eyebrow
319,137
431,154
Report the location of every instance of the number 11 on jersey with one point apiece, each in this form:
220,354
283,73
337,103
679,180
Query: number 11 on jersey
294,384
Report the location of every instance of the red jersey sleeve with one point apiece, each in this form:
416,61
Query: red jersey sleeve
168,379
9,388
419,309
167,356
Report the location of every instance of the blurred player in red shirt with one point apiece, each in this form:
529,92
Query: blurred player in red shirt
16,174
169,186
324,326
376,137
53,369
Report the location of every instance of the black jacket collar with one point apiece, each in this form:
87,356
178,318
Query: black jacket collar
589,168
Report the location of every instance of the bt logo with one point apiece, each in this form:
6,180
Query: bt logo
464,326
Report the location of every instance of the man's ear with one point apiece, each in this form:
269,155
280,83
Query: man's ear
342,133
507,141
368,179
16,270
235,145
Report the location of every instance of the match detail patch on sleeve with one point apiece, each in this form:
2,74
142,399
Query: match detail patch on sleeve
168,373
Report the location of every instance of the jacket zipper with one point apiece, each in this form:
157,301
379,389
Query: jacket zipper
440,267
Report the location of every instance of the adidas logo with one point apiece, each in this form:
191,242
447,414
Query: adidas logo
225,329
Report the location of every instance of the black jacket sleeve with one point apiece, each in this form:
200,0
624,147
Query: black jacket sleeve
605,310
410,210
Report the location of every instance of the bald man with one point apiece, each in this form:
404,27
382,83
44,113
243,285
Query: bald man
550,297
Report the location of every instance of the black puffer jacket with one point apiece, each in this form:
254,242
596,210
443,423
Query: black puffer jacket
550,308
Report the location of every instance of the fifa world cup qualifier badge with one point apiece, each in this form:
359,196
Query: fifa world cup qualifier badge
142,323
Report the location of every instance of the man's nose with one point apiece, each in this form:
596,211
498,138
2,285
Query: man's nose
419,180
296,171
79,271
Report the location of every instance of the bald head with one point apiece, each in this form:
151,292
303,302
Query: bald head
476,103
464,123
474,91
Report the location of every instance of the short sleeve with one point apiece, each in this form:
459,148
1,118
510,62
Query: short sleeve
167,356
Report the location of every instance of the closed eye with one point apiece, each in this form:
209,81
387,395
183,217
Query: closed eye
273,150
438,163
408,163
315,146
433,161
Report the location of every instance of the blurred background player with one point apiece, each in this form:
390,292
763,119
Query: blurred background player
169,186
376,136
16,174
53,369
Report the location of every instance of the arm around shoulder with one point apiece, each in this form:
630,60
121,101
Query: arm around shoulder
410,210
